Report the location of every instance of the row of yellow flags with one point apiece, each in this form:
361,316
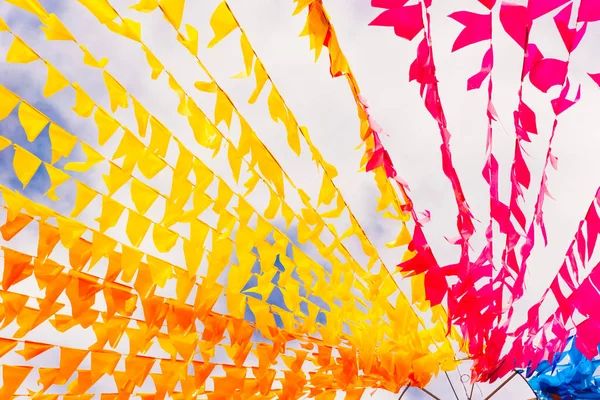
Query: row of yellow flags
157,148
414,359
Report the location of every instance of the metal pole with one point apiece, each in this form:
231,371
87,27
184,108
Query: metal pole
502,385
451,385
403,392
433,396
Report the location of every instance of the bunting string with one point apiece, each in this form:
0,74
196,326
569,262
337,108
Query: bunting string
201,306
138,217
213,86
365,331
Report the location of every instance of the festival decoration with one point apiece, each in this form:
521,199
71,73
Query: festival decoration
569,375
155,243
341,320
487,332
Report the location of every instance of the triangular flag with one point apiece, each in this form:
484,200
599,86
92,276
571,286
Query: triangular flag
32,120
25,165
222,23
55,82
20,52
57,178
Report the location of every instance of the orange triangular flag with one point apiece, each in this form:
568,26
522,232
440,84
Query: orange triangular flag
69,361
11,228
7,345
12,377
15,264
32,349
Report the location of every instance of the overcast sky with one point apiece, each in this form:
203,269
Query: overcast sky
380,61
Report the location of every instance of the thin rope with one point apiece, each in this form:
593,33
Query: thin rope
462,382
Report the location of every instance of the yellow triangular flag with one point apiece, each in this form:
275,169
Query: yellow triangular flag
223,109
32,6
143,196
402,239
337,211
25,165
38,210
69,231
3,26
4,143
248,54
107,126
205,132
193,256
131,148
159,142
302,4
128,28
185,162
288,215
160,271
89,59
273,207
244,210
191,43
84,196
277,108
145,6
327,192
102,247
261,79
150,164
132,29
180,193
32,120
55,81
8,102
208,87
116,92
110,214
235,161
164,239
101,10
93,158
57,178
141,116
20,52
292,135
84,105
182,108
14,201
130,261
55,30
224,195
173,11
153,62
115,179
61,142
225,223
250,184
137,227
222,23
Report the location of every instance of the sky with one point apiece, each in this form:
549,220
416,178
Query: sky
380,62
